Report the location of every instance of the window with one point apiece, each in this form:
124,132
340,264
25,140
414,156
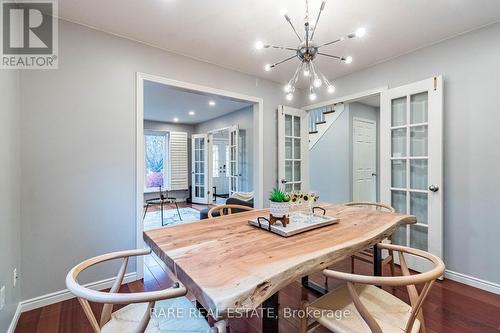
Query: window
155,160
216,161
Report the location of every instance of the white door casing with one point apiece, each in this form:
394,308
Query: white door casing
293,149
234,153
364,160
411,161
200,169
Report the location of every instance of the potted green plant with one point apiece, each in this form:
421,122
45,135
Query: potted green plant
280,203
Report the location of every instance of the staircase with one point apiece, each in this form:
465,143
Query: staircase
320,121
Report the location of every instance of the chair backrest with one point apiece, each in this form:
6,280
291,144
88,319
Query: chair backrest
228,209
408,280
112,297
375,205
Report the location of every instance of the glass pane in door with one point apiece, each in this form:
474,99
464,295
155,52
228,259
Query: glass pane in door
418,206
288,125
398,142
398,114
418,237
418,108
399,236
418,174
398,173
398,201
418,141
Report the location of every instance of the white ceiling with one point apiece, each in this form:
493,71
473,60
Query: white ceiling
224,32
164,103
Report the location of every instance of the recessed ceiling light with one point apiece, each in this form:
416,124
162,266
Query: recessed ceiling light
176,120
211,103
191,113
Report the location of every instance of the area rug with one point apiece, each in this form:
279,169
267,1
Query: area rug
170,217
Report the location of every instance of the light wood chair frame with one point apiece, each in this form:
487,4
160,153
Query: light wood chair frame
112,297
408,280
227,209
366,255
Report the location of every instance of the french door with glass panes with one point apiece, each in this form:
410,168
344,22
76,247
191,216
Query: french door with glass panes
199,171
293,149
411,155
234,172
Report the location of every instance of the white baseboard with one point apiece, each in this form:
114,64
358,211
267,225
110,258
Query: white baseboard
65,294
13,323
473,282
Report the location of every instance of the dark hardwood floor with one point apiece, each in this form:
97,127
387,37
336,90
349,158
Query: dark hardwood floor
451,307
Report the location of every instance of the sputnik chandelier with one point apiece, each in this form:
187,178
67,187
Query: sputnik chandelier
306,52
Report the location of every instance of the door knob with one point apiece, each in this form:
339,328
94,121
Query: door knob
433,188
374,174
283,181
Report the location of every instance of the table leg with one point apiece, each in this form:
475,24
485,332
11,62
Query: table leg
202,310
161,205
315,288
270,315
377,261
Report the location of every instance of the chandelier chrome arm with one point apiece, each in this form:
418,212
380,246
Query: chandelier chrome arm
287,18
332,56
267,46
332,42
282,61
317,18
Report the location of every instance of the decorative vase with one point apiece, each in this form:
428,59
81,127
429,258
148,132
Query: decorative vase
279,209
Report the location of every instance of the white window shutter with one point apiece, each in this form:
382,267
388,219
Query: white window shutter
178,171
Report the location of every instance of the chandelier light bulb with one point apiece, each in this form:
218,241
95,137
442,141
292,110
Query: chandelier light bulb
267,68
360,32
259,45
283,11
317,82
306,72
348,60
289,96
287,88
312,96
331,89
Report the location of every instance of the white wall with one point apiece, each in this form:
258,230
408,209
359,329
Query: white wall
78,148
470,65
10,187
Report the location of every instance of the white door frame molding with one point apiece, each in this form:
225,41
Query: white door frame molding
258,119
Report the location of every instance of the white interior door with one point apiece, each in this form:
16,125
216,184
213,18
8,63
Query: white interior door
411,122
364,160
234,153
293,149
199,181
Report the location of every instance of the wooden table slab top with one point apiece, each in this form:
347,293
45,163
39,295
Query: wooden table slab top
228,264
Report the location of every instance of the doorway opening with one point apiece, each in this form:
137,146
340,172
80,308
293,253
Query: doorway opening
196,147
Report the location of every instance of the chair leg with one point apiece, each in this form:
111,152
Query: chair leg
303,319
145,211
161,205
177,207
352,264
391,254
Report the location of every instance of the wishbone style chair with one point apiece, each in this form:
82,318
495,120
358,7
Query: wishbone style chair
360,306
228,209
138,316
366,255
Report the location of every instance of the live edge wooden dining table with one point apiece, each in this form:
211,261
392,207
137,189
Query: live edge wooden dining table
231,266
